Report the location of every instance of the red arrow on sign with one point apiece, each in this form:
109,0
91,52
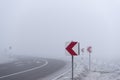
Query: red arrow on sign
89,49
82,50
70,50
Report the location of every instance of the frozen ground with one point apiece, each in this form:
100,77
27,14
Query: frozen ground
5,59
99,71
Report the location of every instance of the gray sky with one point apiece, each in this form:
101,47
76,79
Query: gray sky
41,27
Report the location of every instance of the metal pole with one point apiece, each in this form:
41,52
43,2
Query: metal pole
72,67
89,61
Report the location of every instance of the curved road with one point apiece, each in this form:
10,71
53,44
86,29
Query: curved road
30,68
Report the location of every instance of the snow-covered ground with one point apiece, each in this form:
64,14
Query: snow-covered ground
99,71
5,59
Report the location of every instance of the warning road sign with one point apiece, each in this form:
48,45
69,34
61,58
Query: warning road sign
89,49
72,48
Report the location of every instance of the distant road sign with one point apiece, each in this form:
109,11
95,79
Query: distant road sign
10,47
82,50
89,49
72,48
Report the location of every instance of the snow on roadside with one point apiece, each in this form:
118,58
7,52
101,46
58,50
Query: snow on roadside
5,59
99,71
79,72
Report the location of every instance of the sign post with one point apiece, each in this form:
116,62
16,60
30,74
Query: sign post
72,48
89,61
72,67
89,49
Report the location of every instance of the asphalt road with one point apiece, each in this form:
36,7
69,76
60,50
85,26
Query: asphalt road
30,68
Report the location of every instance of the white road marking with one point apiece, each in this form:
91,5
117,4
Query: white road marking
63,73
25,71
19,64
38,62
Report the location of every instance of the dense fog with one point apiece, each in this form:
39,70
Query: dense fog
41,27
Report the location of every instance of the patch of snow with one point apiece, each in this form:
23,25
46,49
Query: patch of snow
5,59
99,71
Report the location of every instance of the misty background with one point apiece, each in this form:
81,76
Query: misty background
41,27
